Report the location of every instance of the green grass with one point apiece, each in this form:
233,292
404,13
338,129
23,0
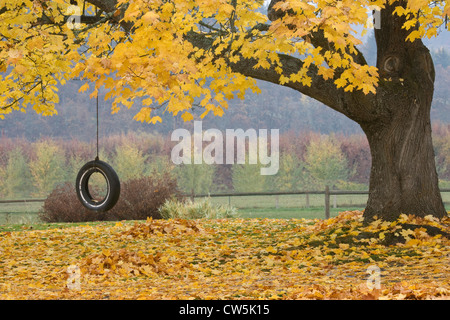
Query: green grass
17,216
19,213
270,213
291,213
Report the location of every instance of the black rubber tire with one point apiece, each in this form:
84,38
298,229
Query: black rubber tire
112,181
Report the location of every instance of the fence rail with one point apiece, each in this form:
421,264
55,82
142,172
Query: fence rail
22,201
327,194
280,193
331,192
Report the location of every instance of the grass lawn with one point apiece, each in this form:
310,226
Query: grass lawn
17,216
290,213
32,222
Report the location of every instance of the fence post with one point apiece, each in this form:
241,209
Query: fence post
327,202
307,199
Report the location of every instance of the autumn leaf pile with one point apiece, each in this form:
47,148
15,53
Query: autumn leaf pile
230,259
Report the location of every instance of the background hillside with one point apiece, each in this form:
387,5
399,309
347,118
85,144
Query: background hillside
275,107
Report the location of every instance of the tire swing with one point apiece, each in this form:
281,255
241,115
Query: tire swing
112,188
112,183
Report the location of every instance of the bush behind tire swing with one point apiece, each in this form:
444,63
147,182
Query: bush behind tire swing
139,198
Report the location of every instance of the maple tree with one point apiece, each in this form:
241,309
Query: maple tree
178,54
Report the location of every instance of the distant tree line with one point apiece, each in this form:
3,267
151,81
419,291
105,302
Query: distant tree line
308,160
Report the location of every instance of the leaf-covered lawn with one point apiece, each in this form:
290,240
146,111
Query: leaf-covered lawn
230,259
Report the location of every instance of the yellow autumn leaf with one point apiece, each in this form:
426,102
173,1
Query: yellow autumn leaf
412,242
187,116
84,87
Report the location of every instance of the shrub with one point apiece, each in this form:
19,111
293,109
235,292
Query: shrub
139,199
348,185
173,209
444,184
62,205
2,182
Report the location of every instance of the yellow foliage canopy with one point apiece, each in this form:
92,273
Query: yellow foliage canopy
177,54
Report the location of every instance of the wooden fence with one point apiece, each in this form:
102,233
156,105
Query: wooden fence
327,195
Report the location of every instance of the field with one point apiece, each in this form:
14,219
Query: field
276,207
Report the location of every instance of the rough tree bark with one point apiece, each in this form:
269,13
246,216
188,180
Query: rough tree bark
403,175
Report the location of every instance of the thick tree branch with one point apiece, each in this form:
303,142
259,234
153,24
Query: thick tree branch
89,20
322,90
110,6
335,98
317,39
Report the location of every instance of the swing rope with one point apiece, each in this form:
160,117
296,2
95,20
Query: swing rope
97,158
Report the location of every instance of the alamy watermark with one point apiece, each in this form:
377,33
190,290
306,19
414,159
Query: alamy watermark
74,20
374,21
74,276
374,279
190,149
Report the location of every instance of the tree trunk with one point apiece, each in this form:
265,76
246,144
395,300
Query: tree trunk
403,176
